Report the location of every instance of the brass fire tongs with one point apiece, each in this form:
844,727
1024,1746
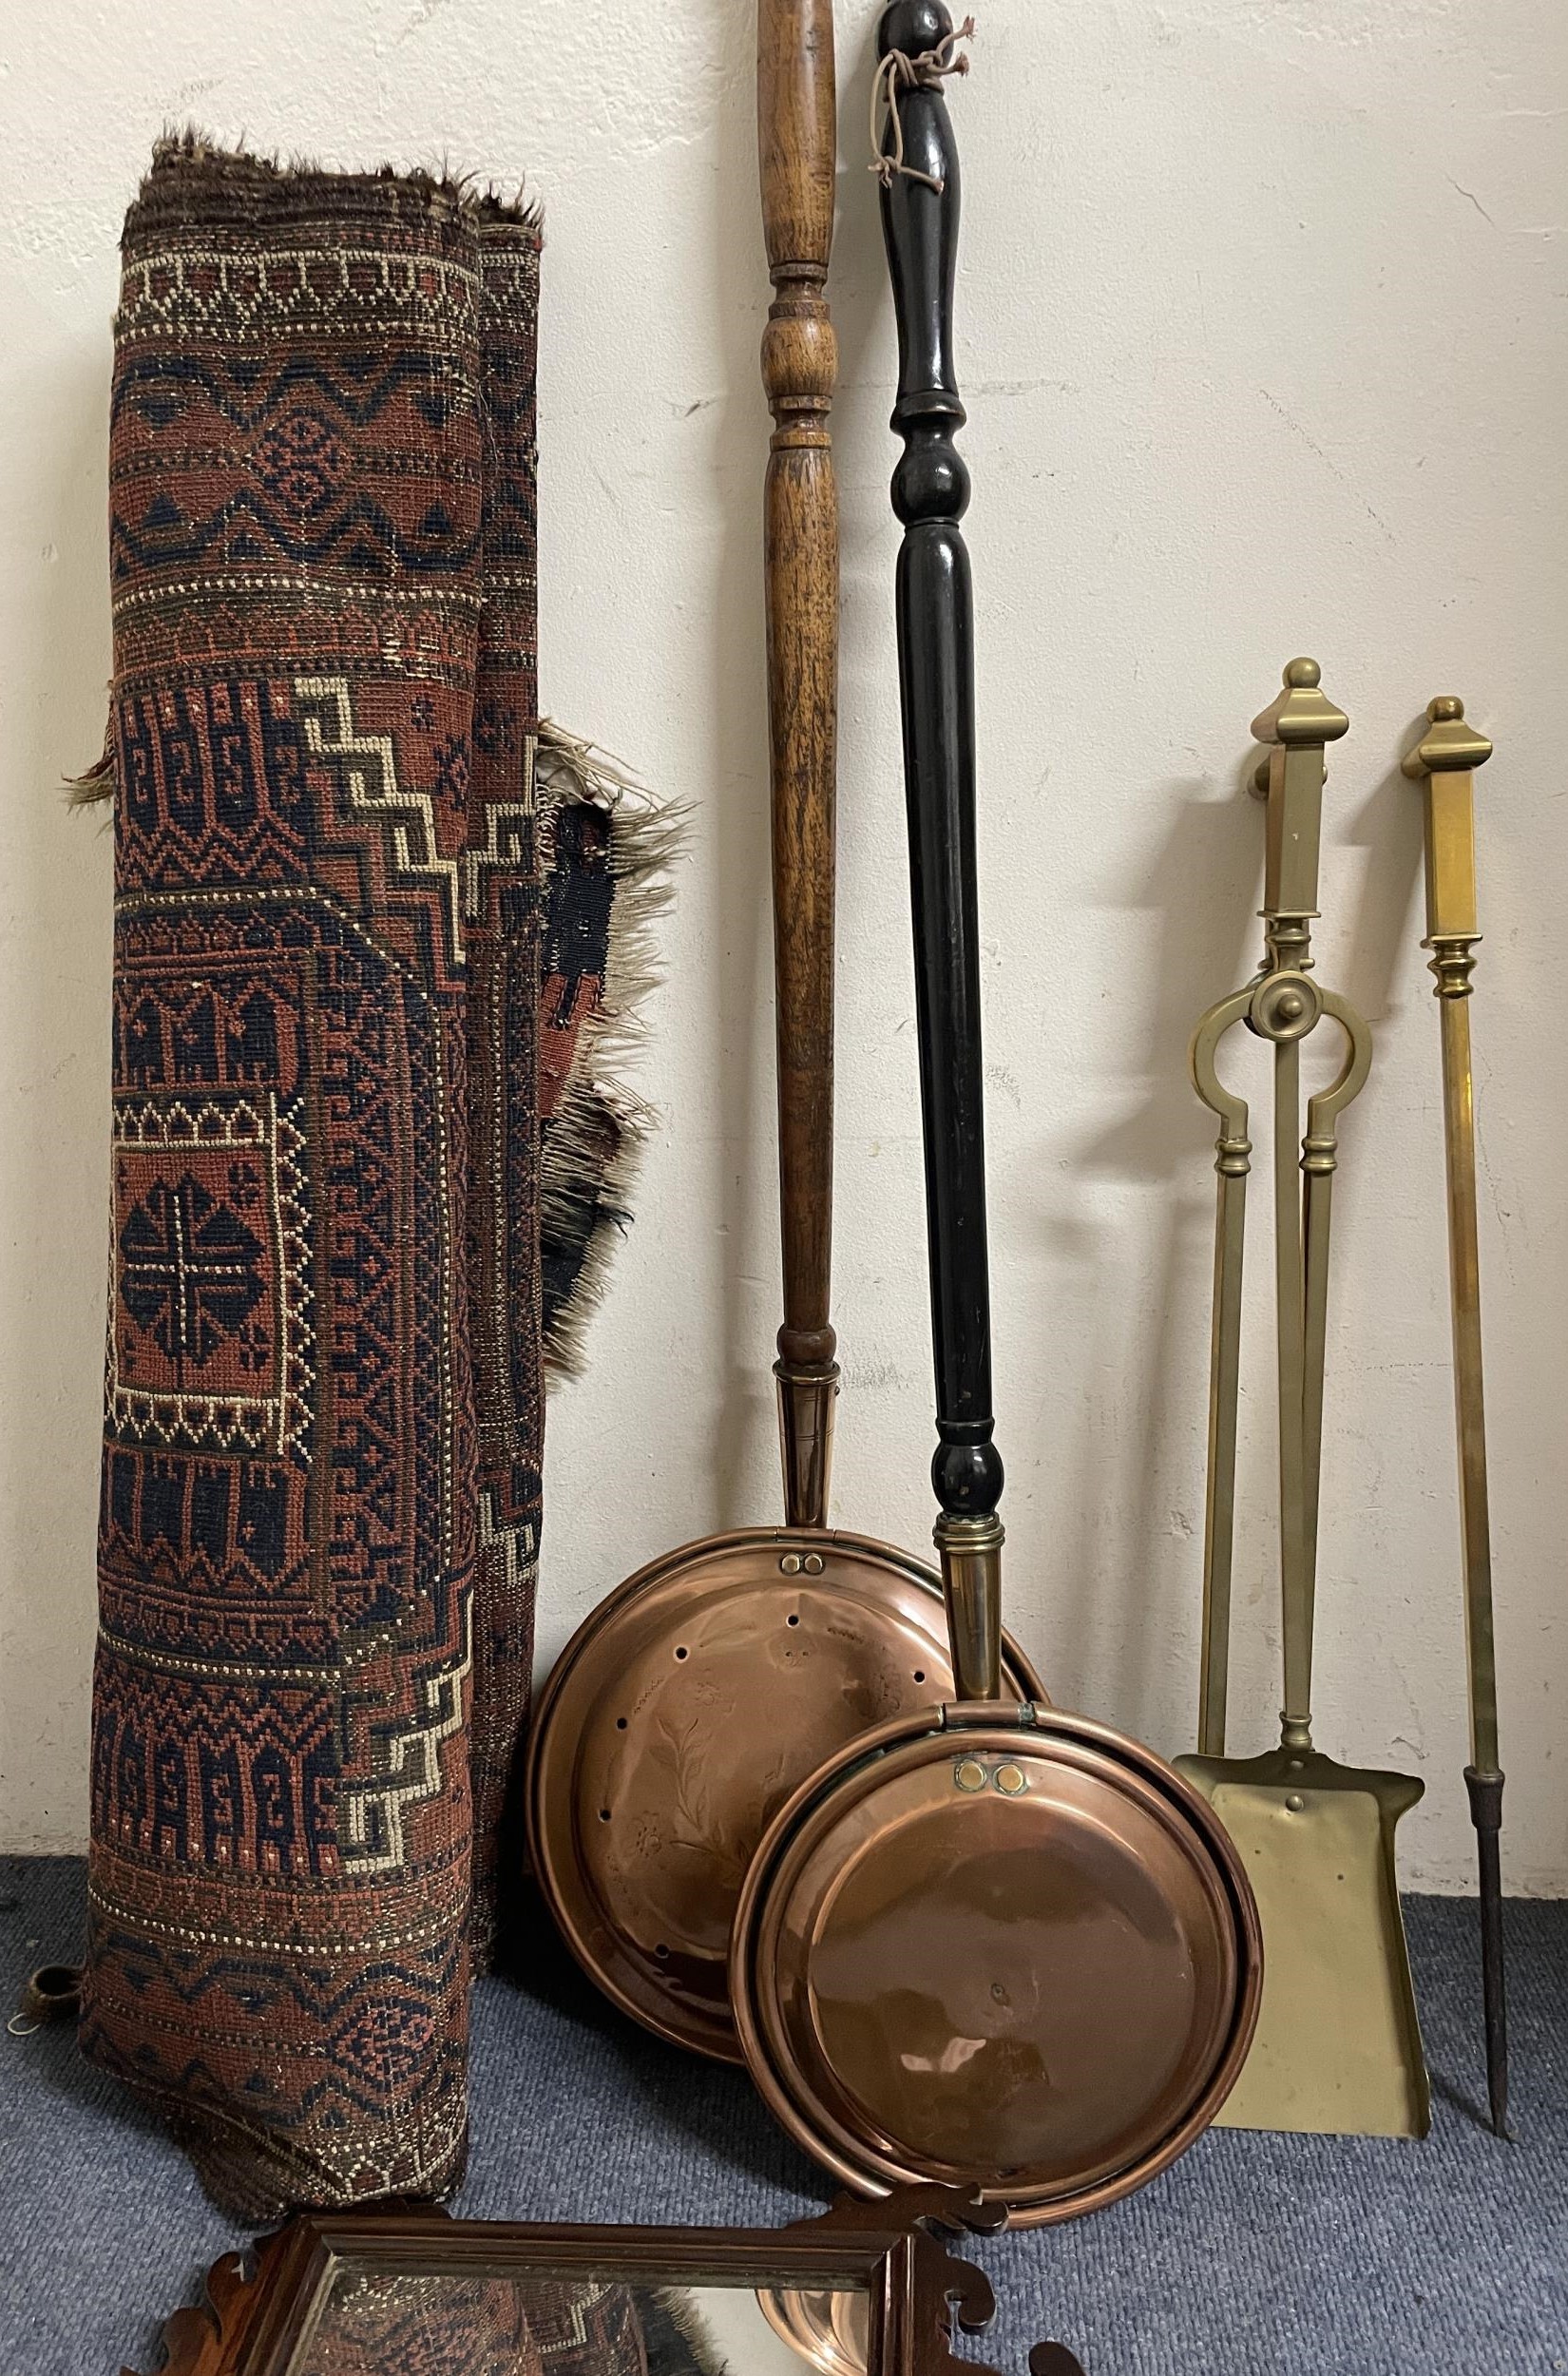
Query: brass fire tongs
1281,1005
1443,763
1338,2046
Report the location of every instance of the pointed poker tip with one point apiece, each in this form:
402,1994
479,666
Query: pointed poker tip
1497,2034
1484,1786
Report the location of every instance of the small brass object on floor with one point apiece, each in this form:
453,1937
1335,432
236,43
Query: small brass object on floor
1443,763
54,1993
1338,2044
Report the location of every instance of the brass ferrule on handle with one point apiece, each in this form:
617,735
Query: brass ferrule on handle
970,1552
807,1399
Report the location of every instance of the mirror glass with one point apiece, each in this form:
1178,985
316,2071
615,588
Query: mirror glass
532,2322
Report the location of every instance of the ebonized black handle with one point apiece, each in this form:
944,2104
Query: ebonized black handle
935,613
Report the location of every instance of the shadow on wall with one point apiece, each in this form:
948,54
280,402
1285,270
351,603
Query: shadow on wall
57,967
1129,1478
1376,960
738,817
1200,888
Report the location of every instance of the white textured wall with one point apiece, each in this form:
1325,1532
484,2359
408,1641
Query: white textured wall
1263,338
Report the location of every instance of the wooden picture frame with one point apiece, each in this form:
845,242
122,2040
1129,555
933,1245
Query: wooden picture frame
263,2307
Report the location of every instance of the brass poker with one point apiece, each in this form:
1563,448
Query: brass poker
1443,763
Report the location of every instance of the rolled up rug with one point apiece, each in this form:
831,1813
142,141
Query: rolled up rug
372,923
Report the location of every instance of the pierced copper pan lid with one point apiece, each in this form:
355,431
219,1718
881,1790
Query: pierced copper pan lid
679,1719
1017,1954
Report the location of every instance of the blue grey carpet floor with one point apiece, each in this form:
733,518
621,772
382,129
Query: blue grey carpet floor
1254,2256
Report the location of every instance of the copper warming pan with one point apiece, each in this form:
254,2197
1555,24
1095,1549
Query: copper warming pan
987,1943
686,1708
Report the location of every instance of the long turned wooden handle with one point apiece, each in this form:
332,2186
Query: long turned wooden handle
796,142
934,608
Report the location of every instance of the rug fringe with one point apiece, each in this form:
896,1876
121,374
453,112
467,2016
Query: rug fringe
684,2313
96,783
183,148
601,1127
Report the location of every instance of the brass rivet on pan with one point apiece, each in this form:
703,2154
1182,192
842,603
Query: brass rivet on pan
813,1562
1010,1779
1295,1803
969,1774
789,1564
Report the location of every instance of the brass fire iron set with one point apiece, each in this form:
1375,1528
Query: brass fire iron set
795,1798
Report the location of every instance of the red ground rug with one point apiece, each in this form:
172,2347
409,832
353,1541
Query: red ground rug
371,923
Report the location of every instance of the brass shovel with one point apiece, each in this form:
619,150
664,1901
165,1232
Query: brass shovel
1338,2045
